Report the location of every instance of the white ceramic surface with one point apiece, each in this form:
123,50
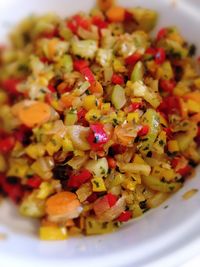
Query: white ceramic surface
163,237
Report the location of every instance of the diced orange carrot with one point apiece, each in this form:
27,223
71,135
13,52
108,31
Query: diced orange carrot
62,203
96,87
195,96
111,162
105,4
52,47
67,100
69,223
116,14
35,114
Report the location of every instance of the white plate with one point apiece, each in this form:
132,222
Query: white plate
163,237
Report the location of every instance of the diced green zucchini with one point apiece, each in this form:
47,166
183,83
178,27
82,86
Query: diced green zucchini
118,97
84,48
104,57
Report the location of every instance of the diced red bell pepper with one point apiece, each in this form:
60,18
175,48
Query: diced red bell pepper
88,75
183,171
80,64
22,134
128,17
78,21
34,182
112,199
111,162
92,198
99,22
50,34
150,51
81,116
10,85
170,105
51,88
118,149
7,144
117,79
125,216
144,131
97,136
133,59
167,85
160,56
168,132
134,106
161,34
76,180
44,60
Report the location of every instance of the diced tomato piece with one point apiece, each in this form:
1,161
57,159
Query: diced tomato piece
111,162
97,136
162,34
131,60
185,171
99,22
88,75
10,86
50,34
144,131
125,216
34,182
150,51
160,56
81,116
78,21
44,59
112,199
76,180
80,64
7,144
167,85
170,105
117,79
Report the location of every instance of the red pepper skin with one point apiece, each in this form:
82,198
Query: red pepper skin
7,144
160,56
81,116
51,88
80,64
133,59
182,171
112,199
117,79
99,22
88,75
161,34
76,180
134,106
34,182
150,51
167,86
97,136
125,216
10,86
144,131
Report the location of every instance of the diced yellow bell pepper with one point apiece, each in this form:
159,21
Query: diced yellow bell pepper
197,83
70,118
54,145
93,115
79,153
173,146
138,160
160,143
35,150
167,174
163,121
18,168
50,233
67,144
133,116
98,184
105,107
165,71
129,184
45,190
136,100
94,226
118,65
90,102
193,106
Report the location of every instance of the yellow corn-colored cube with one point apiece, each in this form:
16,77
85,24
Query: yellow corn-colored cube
90,102
193,106
173,146
93,115
98,184
35,150
105,107
67,144
138,160
133,116
50,233
45,190
54,145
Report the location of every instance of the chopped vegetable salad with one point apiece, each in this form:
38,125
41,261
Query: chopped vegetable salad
100,121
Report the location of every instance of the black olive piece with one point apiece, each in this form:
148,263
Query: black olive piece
143,204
